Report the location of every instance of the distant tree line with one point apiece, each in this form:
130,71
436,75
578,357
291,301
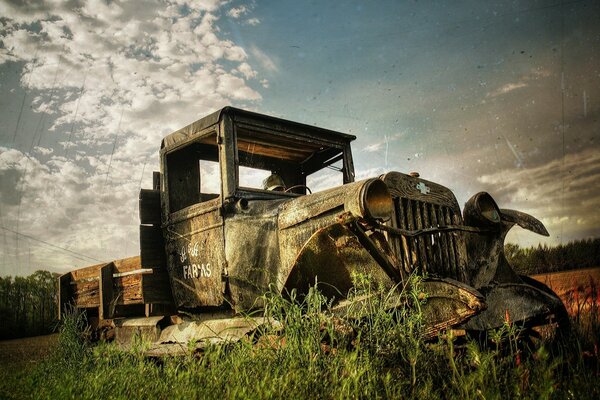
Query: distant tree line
543,259
28,305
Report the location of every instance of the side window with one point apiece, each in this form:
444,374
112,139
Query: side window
193,174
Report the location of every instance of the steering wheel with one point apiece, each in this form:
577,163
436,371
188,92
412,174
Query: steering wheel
297,187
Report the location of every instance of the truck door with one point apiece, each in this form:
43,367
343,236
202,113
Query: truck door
194,227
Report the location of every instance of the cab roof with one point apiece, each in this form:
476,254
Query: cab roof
275,126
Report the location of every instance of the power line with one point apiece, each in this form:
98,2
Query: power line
49,244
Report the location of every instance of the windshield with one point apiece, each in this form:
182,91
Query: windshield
280,162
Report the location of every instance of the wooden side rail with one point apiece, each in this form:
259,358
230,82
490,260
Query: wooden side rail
117,288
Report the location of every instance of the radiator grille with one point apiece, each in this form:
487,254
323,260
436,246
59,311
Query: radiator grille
437,254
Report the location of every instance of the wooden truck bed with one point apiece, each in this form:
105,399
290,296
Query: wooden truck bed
118,288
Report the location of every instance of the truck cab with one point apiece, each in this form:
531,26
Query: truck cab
212,197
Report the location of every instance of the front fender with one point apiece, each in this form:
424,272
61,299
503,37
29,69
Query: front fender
330,257
487,262
505,291
524,220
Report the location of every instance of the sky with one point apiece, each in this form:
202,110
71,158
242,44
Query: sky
490,96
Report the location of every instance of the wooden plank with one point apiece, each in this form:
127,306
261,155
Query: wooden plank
86,272
149,202
65,295
106,291
132,285
86,294
156,180
152,247
126,290
127,264
156,288
132,310
92,272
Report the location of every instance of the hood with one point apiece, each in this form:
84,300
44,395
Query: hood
351,197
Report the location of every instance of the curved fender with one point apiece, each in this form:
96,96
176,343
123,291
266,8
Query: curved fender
520,302
330,257
487,263
524,220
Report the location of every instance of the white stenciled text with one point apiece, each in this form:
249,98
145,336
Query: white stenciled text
196,271
188,250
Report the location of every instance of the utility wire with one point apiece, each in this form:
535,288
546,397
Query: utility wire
114,147
49,244
75,115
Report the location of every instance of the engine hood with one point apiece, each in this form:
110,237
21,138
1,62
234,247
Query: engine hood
346,197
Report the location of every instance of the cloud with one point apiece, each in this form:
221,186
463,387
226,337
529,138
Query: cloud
525,81
509,87
562,193
374,147
265,61
246,70
112,78
237,12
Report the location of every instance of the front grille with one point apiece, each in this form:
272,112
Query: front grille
437,254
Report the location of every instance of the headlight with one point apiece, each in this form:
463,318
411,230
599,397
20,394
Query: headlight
481,210
371,200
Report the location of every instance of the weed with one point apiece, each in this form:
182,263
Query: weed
315,354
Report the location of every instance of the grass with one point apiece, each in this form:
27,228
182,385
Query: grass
318,356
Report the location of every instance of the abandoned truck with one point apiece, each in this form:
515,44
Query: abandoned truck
238,208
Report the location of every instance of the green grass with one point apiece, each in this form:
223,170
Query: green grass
313,358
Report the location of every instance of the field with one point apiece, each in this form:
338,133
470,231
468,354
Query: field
312,359
26,350
578,289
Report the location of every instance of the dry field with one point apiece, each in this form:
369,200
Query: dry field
25,350
579,289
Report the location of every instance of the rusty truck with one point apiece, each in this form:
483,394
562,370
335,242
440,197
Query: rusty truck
246,203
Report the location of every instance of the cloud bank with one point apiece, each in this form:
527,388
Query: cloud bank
108,80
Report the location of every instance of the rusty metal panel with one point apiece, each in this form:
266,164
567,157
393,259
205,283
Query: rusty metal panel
196,256
228,155
409,187
331,257
292,239
253,253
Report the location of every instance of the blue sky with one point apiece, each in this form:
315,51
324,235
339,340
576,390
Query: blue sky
497,96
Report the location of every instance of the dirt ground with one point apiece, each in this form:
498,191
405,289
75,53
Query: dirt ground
26,350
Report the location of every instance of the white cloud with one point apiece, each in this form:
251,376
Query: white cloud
114,74
43,150
525,81
265,61
237,12
246,70
509,87
253,21
374,147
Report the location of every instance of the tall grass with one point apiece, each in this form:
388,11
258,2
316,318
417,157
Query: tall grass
313,354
